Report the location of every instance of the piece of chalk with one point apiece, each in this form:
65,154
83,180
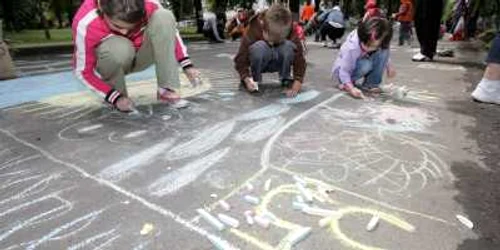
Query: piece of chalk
298,205
213,196
252,199
249,187
262,221
269,216
210,219
318,211
267,185
224,205
300,199
299,235
465,221
325,221
299,180
307,195
249,217
373,223
219,244
228,220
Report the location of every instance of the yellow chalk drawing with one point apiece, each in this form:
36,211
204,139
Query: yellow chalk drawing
337,232
346,210
142,92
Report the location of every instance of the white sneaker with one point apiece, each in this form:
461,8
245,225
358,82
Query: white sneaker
420,58
487,91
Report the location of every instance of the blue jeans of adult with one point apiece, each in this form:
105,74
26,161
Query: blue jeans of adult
270,59
371,68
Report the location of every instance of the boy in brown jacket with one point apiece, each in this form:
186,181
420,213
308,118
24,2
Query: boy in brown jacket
271,45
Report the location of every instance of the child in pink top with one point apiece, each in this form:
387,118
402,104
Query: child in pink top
115,37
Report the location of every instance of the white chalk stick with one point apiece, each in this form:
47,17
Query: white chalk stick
299,235
269,216
300,180
325,221
267,185
465,221
307,195
252,199
224,205
262,221
299,205
228,220
249,217
249,187
300,199
210,219
318,211
373,223
213,196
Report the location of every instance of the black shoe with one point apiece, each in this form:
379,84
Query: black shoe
286,83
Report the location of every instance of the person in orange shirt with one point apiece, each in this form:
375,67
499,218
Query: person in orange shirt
405,17
307,12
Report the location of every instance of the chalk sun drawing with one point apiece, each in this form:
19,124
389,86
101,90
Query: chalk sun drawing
265,112
126,167
203,142
260,130
179,178
302,97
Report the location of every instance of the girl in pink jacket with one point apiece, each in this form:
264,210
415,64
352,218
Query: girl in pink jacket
115,37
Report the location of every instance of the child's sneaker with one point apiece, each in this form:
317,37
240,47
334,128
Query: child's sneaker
487,92
351,90
421,58
171,98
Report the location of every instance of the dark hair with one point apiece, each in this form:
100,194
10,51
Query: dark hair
375,29
130,11
308,2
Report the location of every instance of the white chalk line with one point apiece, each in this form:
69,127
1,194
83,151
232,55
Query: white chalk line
92,239
151,206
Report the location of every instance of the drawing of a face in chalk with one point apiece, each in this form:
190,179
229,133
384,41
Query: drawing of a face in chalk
346,148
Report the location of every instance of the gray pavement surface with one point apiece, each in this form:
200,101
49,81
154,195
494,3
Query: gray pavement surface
75,175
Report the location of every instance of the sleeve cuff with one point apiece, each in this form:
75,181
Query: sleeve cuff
186,63
113,96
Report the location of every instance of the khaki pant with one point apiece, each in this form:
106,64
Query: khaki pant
117,56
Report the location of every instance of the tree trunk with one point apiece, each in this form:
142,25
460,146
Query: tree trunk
295,9
198,11
57,5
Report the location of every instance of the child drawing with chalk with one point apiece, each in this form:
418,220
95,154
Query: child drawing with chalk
364,57
113,38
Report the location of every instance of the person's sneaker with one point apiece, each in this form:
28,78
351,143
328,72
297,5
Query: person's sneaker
171,98
286,83
420,58
325,44
487,92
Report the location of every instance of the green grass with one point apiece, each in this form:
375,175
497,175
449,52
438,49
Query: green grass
27,38
38,36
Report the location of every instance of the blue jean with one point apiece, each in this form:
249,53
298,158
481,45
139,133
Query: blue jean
267,59
371,68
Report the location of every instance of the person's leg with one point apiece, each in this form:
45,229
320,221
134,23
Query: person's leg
286,55
402,34
324,31
435,12
115,57
159,48
260,57
379,62
488,90
363,67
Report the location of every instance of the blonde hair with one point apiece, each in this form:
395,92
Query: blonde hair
278,22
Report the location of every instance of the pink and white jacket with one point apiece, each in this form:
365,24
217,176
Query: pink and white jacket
90,29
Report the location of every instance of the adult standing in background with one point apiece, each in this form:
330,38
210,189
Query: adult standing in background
428,14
